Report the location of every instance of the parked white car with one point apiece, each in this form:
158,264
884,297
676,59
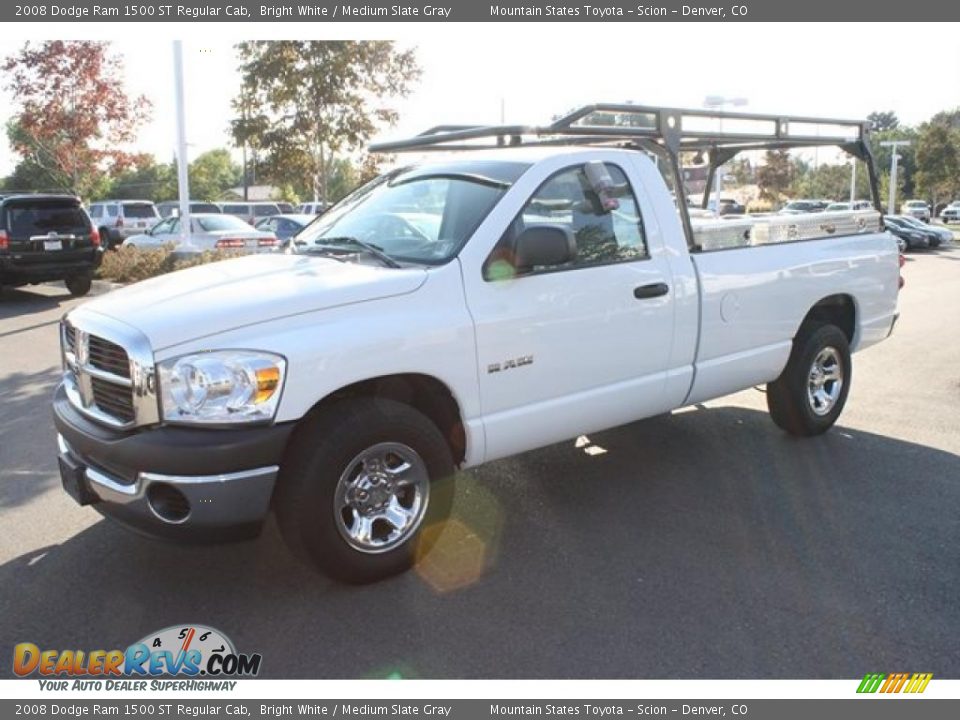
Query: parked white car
916,208
116,220
553,292
207,232
951,213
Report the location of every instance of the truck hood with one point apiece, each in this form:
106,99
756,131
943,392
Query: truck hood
210,299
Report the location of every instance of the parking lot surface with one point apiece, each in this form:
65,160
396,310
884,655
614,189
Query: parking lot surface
704,544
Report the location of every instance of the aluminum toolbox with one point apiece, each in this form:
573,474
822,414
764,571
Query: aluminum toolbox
791,228
714,234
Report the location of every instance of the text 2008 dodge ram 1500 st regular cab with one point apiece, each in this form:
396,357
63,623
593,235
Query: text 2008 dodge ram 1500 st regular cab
447,314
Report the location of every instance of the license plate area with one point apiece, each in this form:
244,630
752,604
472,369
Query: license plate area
52,245
74,480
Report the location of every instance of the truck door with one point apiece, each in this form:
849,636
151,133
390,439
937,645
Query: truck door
578,347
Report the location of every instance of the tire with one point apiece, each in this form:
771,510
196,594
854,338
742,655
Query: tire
79,285
794,400
323,477
105,240
902,245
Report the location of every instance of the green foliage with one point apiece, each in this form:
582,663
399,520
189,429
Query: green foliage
148,181
775,175
213,172
881,121
938,161
302,103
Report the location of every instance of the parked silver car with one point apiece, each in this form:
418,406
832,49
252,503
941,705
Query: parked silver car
207,232
117,220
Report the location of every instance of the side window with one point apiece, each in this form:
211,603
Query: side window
95,211
606,229
112,210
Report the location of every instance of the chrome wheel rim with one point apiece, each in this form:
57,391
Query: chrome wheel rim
381,497
825,381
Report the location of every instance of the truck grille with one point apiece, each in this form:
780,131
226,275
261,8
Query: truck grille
108,356
109,380
113,399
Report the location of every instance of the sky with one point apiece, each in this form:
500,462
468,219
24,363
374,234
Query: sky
530,72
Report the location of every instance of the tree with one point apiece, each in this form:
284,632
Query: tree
775,175
73,117
213,172
303,102
149,180
881,121
938,161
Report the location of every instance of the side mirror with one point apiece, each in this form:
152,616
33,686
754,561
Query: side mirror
544,245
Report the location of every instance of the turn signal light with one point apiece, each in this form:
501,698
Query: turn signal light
4,240
267,242
94,237
226,243
267,381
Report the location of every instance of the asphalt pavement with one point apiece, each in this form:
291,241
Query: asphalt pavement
704,544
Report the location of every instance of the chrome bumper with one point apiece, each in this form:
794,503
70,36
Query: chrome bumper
179,507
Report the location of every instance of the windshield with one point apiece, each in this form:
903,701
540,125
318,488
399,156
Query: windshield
421,215
916,204
221,222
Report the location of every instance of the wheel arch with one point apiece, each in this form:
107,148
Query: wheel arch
839,309
424,393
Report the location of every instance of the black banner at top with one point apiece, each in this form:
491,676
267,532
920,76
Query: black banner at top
260,11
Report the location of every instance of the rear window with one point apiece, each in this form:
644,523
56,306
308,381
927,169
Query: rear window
139,210
221,222
204,208
236,209
265,210
41,218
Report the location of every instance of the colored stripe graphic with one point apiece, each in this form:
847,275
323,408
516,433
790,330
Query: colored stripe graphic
894,683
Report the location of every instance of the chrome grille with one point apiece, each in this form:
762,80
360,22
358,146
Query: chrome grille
108,371
113,399
107,356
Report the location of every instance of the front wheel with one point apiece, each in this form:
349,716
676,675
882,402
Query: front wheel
362,481
809,395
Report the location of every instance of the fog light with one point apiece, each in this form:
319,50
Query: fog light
168,503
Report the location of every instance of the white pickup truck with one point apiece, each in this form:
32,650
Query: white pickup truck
447,314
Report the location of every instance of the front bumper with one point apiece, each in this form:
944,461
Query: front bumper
179,484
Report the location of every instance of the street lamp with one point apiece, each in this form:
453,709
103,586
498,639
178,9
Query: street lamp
893,144
715,102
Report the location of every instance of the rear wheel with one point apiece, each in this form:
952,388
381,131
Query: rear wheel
79,285
361,481
809,395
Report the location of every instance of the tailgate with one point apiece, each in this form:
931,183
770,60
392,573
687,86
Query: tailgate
47,229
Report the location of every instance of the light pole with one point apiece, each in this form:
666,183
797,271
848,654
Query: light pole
853,181
183,168
893,145
714,102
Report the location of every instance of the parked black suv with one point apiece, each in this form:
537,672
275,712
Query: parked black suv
47,237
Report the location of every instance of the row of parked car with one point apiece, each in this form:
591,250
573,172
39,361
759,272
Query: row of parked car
120,220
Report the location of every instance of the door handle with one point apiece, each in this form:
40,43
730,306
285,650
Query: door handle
651,291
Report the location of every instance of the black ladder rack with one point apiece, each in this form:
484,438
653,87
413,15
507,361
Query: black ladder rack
674,130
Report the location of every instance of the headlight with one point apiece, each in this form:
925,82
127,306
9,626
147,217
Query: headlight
221,387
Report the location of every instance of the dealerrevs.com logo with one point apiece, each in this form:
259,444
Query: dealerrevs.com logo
183,651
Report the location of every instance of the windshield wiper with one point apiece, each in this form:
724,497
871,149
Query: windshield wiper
346,240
